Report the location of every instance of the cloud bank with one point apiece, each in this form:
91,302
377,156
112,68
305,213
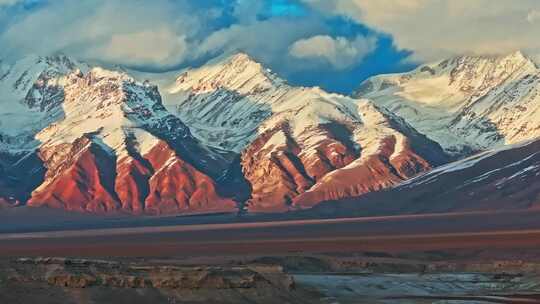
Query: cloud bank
435,29
332,43
158,33
339,52
124,32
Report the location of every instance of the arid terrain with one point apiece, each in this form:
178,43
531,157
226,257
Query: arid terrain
472,258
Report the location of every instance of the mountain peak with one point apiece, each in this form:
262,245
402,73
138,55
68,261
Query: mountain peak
239,73
519,56
61,60
509,62
235,58
479,74
100,73
242,57
486,100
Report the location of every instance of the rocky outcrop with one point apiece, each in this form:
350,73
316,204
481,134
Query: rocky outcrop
81,273
58,280
291,176
335,160
131,184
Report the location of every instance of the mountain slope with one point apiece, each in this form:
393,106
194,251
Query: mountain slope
93,140
31,92
298,146
467,103
506,178
117,148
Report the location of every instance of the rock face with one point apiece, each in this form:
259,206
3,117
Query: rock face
298,146
177,187
79,177
466,104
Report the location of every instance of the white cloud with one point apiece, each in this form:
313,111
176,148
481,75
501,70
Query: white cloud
439,28
339,52
156,47
133,33
158,34
267,40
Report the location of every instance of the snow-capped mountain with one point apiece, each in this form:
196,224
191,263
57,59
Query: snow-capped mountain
225,101
466,104
90,139
30,97
107,144
299,145
31,92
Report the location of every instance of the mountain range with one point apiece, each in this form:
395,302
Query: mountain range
231,136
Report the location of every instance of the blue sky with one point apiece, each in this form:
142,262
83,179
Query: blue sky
334,44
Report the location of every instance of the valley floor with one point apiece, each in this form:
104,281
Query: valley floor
436,258
200,236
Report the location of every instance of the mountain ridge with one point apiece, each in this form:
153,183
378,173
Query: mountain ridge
232,136
297,135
